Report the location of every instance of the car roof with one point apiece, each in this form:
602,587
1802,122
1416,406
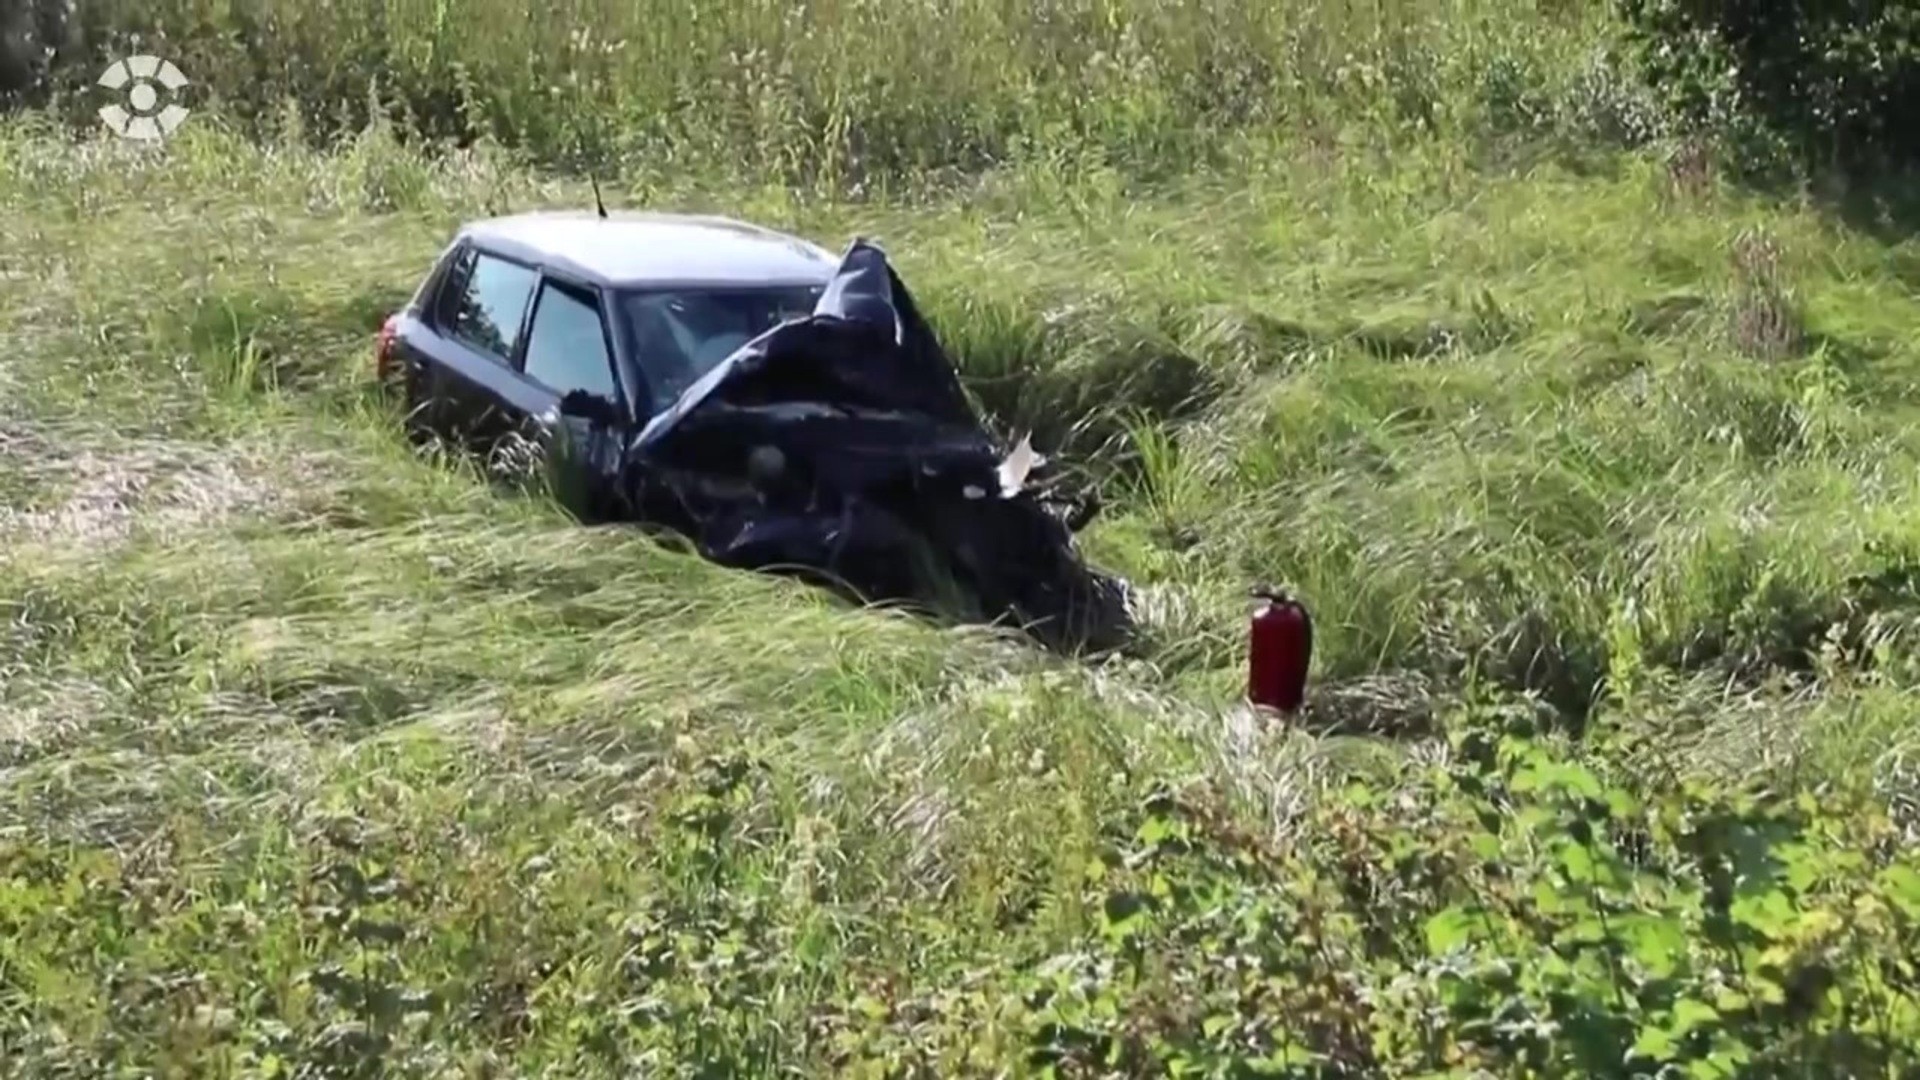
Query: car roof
635,248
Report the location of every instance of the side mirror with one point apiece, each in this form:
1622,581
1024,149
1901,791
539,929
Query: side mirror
592,408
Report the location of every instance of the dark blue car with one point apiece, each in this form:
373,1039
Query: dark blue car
781,407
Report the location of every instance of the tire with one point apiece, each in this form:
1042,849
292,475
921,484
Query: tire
1080,611
1026,568
416,418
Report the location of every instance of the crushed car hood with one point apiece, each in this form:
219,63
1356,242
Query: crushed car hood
842,446
865,348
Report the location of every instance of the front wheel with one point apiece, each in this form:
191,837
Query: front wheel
1019,562
1081,610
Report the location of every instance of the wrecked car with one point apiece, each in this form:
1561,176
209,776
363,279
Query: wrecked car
783,409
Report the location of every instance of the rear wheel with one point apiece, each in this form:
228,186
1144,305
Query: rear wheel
415,402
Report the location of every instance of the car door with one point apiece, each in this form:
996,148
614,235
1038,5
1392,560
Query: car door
569,351
478,319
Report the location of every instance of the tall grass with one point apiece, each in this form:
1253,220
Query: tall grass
851,93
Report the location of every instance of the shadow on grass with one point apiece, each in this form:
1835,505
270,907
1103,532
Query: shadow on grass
1878,201
1078,404
1884,206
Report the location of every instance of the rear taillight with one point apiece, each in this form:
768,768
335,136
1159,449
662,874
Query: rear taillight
383,346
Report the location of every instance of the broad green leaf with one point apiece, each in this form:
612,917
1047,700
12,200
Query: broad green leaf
1157,830
1577,861
1724,1063
1657,943
1551,901
1533,819
1621,804
1902,886
1769,912
1485,845
1656,1044
1689,1014
1579,780
1449,930
1125,912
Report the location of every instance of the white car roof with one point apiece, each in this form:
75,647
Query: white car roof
639,249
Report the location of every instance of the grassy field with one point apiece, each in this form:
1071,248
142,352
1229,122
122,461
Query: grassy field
327,759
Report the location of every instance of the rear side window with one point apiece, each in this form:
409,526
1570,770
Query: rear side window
567,347
484,301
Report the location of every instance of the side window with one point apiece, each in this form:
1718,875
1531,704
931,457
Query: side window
445,306
484,300
567,350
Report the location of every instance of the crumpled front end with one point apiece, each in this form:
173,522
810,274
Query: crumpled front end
842,448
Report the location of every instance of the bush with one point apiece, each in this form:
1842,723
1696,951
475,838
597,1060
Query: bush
1827,83
1513,912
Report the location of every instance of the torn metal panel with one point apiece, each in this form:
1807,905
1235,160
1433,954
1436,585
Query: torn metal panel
842,446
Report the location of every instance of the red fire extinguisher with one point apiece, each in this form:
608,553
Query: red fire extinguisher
1279,648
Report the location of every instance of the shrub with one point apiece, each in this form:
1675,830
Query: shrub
1813,81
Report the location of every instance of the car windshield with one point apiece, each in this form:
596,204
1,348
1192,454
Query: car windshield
676,336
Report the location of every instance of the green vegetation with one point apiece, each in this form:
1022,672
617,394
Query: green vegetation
325,758
1794,82
849,95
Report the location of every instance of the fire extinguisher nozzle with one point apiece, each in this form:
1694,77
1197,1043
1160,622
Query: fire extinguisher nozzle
1272,593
